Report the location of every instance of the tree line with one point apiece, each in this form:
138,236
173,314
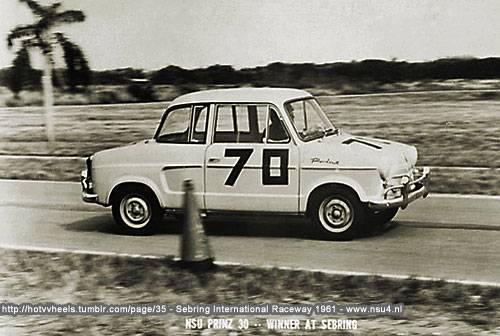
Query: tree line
308,74
78,75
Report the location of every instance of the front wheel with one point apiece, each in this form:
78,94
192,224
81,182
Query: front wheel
136,212
337,214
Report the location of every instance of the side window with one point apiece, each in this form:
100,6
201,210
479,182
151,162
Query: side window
175,128
240,123
200,122
275,130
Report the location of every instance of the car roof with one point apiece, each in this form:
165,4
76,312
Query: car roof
277,96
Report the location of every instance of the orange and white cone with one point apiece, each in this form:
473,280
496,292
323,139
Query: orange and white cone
195,248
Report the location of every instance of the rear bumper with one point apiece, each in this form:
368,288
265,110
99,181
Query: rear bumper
409,193
88,194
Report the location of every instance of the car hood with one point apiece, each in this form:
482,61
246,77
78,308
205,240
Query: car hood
131,153
349,151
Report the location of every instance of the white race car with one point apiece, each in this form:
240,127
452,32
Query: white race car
256,150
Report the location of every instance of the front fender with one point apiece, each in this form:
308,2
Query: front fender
366,183
135,179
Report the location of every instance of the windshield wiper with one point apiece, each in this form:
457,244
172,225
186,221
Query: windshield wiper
313,136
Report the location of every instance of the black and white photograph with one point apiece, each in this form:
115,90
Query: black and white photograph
249,167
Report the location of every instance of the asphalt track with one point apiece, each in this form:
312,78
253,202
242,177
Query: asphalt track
444,236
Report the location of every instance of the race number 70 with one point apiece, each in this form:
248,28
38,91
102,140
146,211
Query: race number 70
267,179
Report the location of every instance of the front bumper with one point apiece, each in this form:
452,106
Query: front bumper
409,192
88,194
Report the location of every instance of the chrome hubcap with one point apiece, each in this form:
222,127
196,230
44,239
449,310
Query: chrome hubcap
135,211
335,215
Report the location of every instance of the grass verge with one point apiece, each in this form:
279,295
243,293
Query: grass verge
430,306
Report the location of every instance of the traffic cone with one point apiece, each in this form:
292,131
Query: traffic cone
195,248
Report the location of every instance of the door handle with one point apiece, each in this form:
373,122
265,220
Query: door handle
213,160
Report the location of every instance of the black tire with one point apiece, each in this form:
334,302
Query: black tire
136,211
382,217
336,214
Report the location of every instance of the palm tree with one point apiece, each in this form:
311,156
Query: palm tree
41,35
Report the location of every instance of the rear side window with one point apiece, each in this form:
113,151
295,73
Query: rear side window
184,125
175,128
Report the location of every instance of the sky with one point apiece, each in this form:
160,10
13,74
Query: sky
151,34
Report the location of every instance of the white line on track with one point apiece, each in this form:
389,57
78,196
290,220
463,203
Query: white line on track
264,266
41,157
63,250
56,107
465,196
463,168
38,181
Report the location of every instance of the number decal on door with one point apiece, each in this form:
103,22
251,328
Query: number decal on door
267,178
267,154
244,155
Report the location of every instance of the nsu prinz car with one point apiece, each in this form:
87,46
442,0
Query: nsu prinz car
256,150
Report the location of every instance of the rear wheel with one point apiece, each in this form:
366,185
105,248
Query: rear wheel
136,211
337,214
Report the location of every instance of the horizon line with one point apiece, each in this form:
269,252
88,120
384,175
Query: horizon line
392,60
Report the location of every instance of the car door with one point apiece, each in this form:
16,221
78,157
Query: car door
182,142
246,170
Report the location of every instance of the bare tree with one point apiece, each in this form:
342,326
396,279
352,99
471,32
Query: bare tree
41,35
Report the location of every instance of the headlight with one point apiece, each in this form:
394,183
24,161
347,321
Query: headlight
393,193
405,180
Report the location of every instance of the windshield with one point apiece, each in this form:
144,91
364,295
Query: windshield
309,120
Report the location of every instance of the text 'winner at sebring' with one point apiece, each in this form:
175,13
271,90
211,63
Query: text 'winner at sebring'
270,324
